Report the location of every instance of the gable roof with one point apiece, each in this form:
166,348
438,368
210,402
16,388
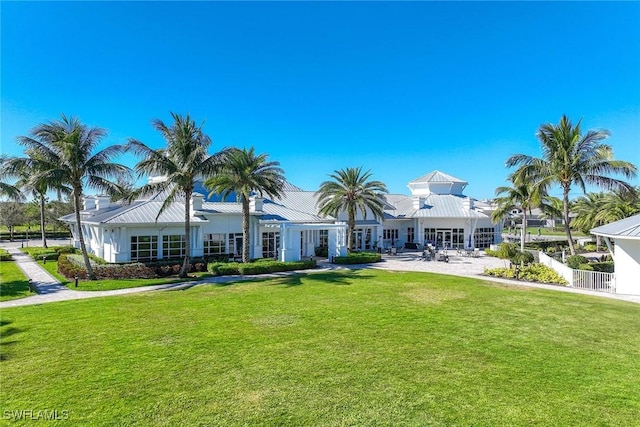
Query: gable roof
434,206
628,228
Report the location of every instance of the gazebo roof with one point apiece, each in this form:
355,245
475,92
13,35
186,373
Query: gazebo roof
628,228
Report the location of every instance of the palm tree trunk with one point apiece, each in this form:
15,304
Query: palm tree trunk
83,247
565,214
187,235
245,229
523,231
42,222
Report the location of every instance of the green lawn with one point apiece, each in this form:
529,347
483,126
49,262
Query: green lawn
112,284
328,348
13,283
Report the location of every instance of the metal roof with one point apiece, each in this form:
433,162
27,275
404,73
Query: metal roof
628,228
435,206
437,176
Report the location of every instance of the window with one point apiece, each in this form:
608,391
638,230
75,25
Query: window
323,238
483,237
235,244
390,233
174,246
215,244
430,235
144,248
411,234
270,244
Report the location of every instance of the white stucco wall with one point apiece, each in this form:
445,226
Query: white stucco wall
627,266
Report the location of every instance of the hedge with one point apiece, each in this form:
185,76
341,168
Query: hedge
258,267
531,273
136,270
5,256
358,258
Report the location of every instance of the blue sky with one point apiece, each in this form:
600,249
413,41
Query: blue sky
400,88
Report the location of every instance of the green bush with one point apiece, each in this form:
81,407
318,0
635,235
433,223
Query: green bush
574,261
590,247
37,253
604,267
66,250
585,267
322,251
358,258
522,258
261,266
492,253
507,250
532,273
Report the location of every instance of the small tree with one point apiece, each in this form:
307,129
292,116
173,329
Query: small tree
12,214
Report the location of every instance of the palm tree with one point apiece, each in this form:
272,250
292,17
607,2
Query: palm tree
30,173
6,189
571,158
617,205
246,173
586,210
350,190
65,152
181,163
521,195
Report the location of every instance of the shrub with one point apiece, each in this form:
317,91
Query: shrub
575,260
590,247
531,273
604,267
522,258
65,250
38,253
69,269
261,266
492,253
358,258
322,251
507,250
224,268
586,267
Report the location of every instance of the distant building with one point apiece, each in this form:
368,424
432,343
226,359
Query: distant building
290,228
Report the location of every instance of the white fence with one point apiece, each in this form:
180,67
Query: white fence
581,279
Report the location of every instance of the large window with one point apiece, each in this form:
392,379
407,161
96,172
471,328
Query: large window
270,244
390,233
484,237
411,234
144,248
215,244
174,246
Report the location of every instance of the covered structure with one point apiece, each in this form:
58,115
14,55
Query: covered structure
623,241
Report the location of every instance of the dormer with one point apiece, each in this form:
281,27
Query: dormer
196,202
255,204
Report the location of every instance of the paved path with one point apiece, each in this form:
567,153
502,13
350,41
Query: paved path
50,290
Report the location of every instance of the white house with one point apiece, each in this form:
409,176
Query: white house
623,240
288,229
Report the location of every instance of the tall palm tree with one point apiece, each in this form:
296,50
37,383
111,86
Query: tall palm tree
246,173
66,152
586,210
351,190
29,172
521,195
181,163
571,158
617,205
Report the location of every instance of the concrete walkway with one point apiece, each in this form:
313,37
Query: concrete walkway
50,290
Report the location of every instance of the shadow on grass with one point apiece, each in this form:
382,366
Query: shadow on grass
15,288
4,334
288,279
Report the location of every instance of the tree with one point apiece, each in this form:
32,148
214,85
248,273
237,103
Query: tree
11,214
30,173
521,195
351,190
570,158
66,152
246,173
6,189
183,160
586,209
